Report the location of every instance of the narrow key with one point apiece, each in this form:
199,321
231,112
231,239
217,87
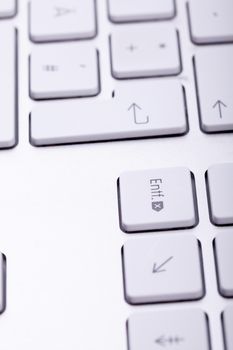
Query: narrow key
220,192
8,106
224,260
61,70
162,268
157,199
62,20
160,110
211,21
7,8
145,51
214,78
228,327
178,330
2,283
140,10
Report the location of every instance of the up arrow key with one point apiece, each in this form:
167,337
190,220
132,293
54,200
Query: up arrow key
220,106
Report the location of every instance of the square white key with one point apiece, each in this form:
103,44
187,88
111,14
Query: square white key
211,21
63,70
157,199
2,283
224,260
144,51
56,20
162,268
7,8
220,191
214,78
178,330
228,327
140,10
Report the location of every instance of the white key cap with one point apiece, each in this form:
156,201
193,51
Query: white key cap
140,10
61,70
7,8
2,283
220,190
62,20
130,114
228,327
144,51
162,268
156,199
7,86
224,261
181,330
214,75
211,21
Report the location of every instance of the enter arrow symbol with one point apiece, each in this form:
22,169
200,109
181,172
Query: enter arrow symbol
134,107
158,269
220,106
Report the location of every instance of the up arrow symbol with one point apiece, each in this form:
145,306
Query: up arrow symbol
219,104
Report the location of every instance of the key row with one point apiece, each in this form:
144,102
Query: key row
56,20
162,199
179,329
168,268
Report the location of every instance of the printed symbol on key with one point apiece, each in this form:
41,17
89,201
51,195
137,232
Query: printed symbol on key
157,206
62,11
168,341
50,68
219,104
131,48
135,108
158,269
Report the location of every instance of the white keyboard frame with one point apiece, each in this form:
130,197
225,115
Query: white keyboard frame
59,218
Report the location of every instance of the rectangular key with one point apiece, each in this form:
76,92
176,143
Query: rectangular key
7,8
140,10
162,268
145,51
2,283
214,78
57,20
224,260
228,327
61,70
220,191
160,110
8,107
178,330
211,21
157,199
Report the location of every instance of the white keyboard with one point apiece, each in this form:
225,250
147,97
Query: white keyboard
123,245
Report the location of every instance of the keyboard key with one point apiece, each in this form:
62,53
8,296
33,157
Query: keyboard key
145,51
2,283
224,261
211,21
181,330
214,76
138,10
220,191
157,199
8,108
61,70
62,20
7,8
228,327
162,268
130,114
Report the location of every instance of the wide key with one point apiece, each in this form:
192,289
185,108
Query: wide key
8,88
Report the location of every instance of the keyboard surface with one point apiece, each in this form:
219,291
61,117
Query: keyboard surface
122,245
